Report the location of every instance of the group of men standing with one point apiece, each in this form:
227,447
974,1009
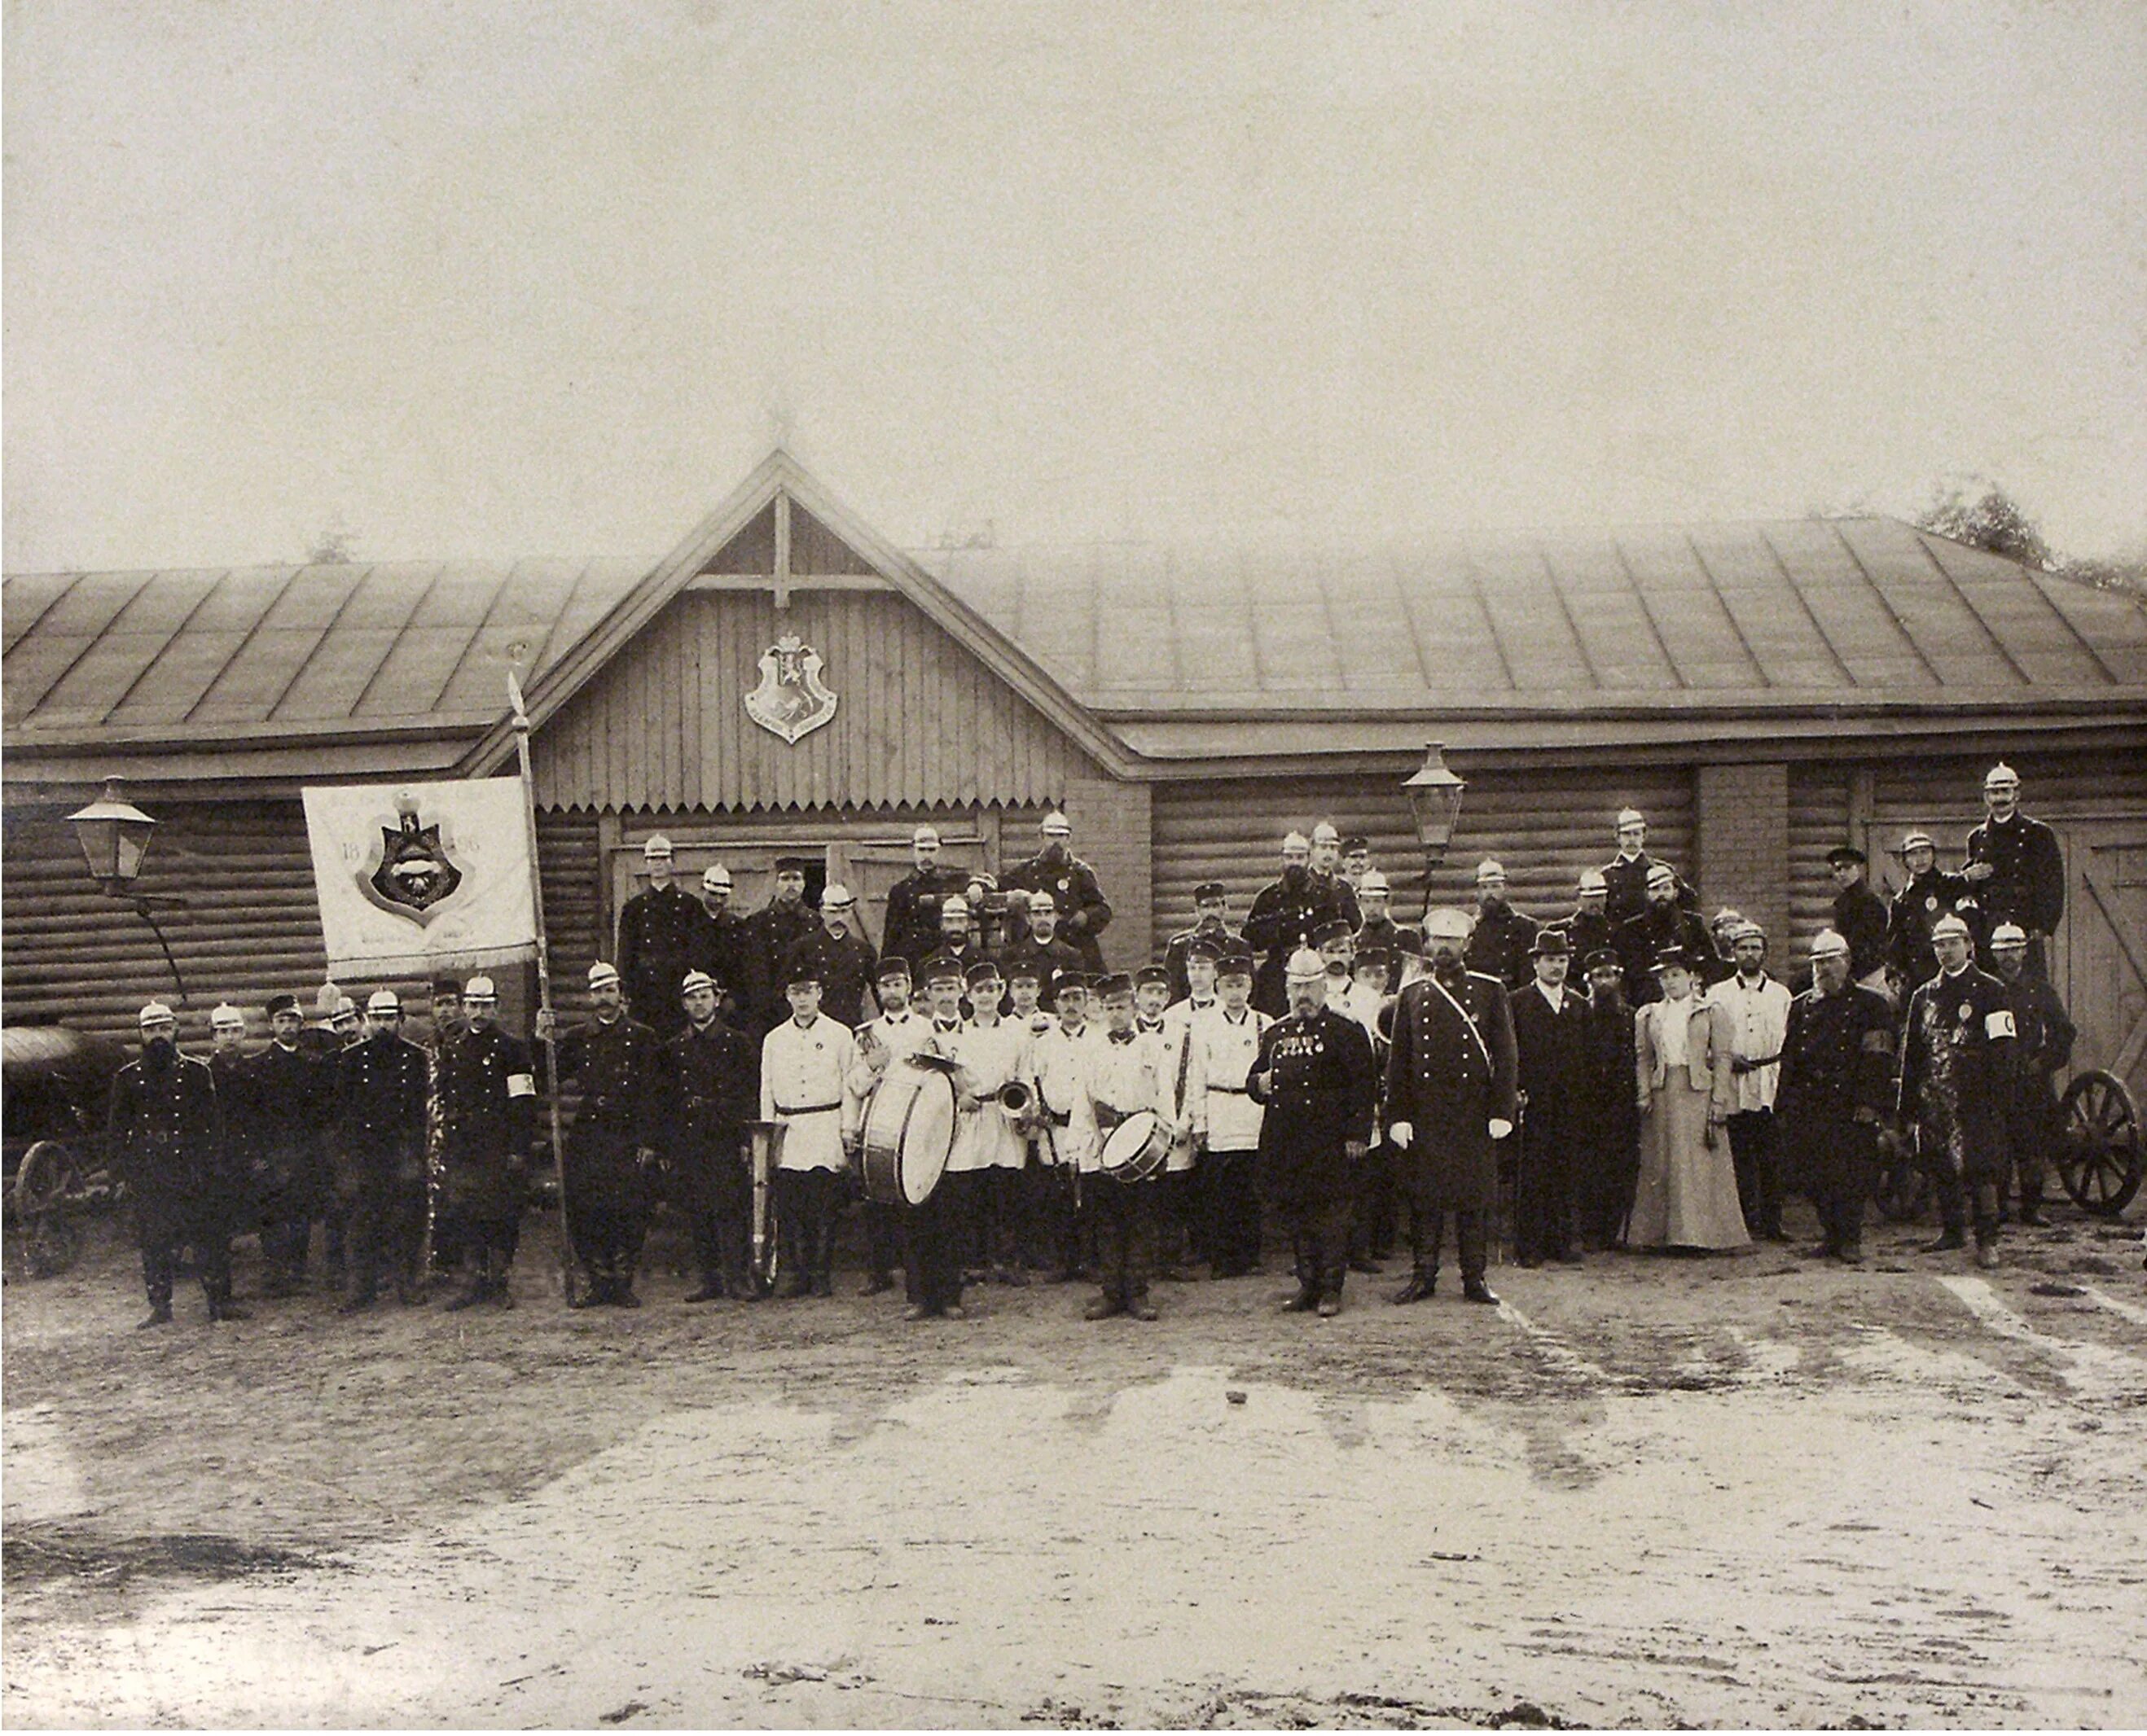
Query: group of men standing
1325,1061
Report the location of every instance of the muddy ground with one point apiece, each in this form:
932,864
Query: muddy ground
1646,1491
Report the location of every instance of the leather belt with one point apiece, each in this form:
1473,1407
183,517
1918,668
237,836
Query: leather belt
808,1108
1231,1090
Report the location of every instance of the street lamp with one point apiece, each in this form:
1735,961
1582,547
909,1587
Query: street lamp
1434,797
114,836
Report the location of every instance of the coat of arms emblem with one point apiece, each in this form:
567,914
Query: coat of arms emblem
791,701
414,873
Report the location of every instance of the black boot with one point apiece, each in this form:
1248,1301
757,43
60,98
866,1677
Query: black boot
475,1291
1423,1284
1474,1289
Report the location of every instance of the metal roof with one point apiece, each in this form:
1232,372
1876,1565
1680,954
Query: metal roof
1768,615
254,652
1164,646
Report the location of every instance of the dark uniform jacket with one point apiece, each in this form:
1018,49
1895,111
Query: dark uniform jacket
488,1103
661,931
1345,895
1585,931
619,1067
1836,1084
1640,939
381,1094
845,968
238,1101
1917,909
1627,885
765,946
2027,886
1552,1065
1450,1083
1322,1094
1957,1073
1499,946
1860,918
1285,915
167,1136
295,1092
713,1081
2042,1033
719,949
1614,1110
1050,959
1226,939
912,910
1083,912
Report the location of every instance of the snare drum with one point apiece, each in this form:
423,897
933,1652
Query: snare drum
909,1131
1135,1148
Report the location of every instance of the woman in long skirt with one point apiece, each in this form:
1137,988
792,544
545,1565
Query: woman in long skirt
1687,1196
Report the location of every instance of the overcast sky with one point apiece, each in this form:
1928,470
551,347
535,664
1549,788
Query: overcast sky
503,278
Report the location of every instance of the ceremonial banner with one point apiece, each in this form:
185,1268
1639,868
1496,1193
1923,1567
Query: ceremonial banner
414,878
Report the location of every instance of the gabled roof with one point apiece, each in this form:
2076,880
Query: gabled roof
1136,652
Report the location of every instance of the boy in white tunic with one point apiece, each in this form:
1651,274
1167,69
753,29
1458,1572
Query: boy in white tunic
1227,1039
804,1065
990,1143
1127,1080
1062,1065
1178,1062
900,1030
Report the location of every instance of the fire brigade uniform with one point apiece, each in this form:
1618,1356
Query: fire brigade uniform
802,1070
381,1094
488,1101
713,1076
1228,1119
167,1137
610,1155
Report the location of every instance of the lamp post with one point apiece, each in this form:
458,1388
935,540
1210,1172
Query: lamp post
1434,797
114,836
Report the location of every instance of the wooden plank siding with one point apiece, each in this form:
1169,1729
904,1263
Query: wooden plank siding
919,721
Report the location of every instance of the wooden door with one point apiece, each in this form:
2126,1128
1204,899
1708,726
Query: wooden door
871,867
2103,946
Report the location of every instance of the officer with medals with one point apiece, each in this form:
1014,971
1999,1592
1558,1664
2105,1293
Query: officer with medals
1957,1066
1834,1094
1315,1081
2016,868
167,1138
1083,912
1450,1098
610,1169
712,1077
488,1101
1930,896
661,933
381,1118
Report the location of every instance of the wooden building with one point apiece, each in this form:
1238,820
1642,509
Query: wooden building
1762,691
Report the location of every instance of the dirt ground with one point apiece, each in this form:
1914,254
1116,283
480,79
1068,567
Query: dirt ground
1647,1491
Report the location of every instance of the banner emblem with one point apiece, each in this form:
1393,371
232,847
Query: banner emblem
414,873
791,701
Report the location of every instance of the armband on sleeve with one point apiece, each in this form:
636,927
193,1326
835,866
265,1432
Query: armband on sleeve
1880,1042
520,1084
1999,1023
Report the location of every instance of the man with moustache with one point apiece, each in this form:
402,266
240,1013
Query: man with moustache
1500,946
167,1137
912,929
1451,1084
661,933
1834,1093
1550,1040
2016,869
765,941
382,1102
1286,914
841,961
1083,912
713,1076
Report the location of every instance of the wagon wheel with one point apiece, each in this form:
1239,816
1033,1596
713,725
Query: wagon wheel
49,1177
2100,1158
1903,1189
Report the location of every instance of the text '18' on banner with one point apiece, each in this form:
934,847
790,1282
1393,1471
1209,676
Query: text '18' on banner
415,877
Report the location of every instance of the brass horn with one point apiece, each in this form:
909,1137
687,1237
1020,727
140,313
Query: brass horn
1013,1097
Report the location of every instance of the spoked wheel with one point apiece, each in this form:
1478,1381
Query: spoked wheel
41,1206
1903,1189
2101,1159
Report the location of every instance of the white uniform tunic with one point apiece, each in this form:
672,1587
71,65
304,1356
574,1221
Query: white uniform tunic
1129,1078
1228,1049
804,1074
1760,1025
986,1137
1183,1012
1061,1068
1184,1085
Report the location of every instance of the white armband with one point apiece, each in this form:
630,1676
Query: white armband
520,1084
1999,1023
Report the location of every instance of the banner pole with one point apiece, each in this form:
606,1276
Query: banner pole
544,982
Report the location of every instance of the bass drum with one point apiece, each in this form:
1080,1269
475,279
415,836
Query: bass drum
909,1133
